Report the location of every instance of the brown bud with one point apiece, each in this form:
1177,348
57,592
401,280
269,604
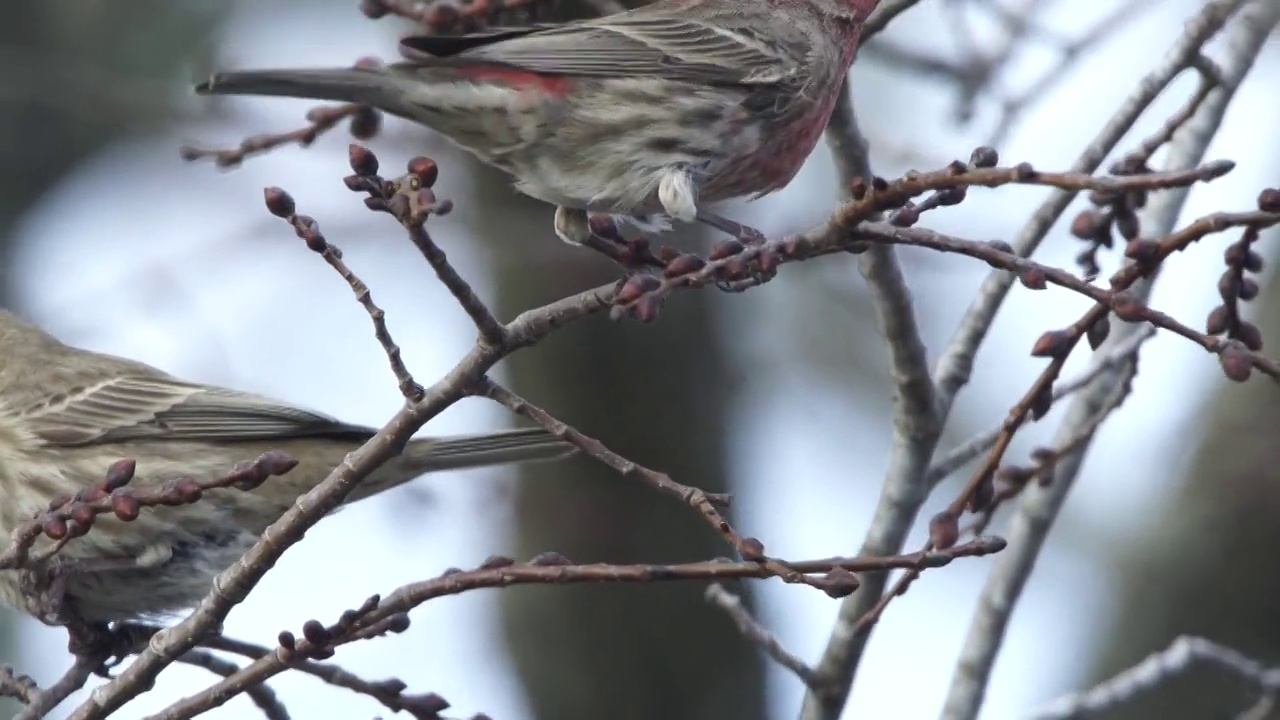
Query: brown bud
1127,225
751,550
1143,251
1024,172
55,528
1250,335
279,202
425,169
431,704
362,160
1001,246
1229,286
685,264
1032,277
82,515
635,286
119,473
1218,320
1269,200
373,9
1089,224
316,633
839,582
944,530
125,506
724,249
647,308
1248,288
365,124
549,559
984,157
1052,344
287,640
1236,363
496,561
983,495
906,217
398,623
1098,332
276,462
768,262
1042,402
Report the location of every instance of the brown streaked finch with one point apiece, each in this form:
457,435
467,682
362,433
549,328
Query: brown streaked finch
67,414
644,115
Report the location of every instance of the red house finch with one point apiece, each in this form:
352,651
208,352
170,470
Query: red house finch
643,115
67,414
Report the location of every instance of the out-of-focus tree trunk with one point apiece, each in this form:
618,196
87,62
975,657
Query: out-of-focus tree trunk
657,394
1210,569
74,76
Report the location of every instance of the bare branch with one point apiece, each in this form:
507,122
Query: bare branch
1162,668
1039,507
758,634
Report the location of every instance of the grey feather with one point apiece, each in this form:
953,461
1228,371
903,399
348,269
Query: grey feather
135,407
628,45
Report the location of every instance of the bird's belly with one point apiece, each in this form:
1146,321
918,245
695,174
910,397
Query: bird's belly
178,584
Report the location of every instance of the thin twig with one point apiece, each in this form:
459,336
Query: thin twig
262,695
758,634
1160,669
553,569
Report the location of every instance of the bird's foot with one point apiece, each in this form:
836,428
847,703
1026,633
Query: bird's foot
601,233
760,269
744,234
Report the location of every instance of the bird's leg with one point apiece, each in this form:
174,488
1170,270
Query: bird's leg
745,234
600,233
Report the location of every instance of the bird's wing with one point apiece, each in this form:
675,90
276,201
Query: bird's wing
627,45
159,407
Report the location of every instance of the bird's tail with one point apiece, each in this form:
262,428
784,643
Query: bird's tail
459,452
378,87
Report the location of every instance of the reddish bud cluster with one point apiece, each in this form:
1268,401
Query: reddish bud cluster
1112,212
73,516
1235,286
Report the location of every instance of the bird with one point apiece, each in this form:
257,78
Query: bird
67,414
644,116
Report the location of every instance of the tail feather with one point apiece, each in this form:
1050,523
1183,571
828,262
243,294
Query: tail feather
366,86
459,452
468,451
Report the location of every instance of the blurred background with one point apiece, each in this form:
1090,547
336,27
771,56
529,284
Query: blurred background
112,242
